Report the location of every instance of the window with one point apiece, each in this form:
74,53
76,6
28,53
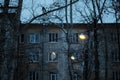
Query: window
22,38
53,37
34,56
74,38
53,76
33,75
115,36
34,38
75,76
116,75
21,56
115,56
52,57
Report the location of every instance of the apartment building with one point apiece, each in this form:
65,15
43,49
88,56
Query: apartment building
44,48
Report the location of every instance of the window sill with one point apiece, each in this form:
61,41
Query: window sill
52,61
115,61
53,42
34,42
33,61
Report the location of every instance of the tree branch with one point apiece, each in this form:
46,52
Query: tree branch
59,8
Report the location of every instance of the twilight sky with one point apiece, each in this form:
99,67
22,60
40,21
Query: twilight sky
33,8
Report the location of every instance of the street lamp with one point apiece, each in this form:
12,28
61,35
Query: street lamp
82,36
72,58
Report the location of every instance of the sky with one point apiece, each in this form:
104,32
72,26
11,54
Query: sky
31,9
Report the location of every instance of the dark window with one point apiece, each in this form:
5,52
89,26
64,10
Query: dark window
116,75
33,75
21,56
114,36
115,56
34,56
74,38
76,76
53,76
53,37
22,37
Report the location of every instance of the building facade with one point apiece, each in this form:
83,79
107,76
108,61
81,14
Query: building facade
45,52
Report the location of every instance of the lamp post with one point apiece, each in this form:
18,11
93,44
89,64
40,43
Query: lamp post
85,68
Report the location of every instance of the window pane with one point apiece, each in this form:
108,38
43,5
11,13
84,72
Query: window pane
53,37
34,56
22,38
32,38
74,37
37,38
53,76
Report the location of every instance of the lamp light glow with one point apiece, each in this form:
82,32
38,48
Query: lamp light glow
82,36
72,58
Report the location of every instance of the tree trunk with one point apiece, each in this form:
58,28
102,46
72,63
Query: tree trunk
96,60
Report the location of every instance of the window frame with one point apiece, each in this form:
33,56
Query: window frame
52,74
34,56
21,56
53,37
34,36
76,76
115,56
20,38
49,57
116,75
74,38
33,75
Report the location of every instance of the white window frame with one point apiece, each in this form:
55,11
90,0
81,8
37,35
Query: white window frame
53,75
33,37
53,37
33,74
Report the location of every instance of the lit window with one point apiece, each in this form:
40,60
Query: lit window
34,56
52,57
53,76
53,37
34,38
33,75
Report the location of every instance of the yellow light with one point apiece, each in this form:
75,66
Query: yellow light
72,57
82,37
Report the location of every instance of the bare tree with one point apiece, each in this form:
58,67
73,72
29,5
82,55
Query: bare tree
9,39
92,13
